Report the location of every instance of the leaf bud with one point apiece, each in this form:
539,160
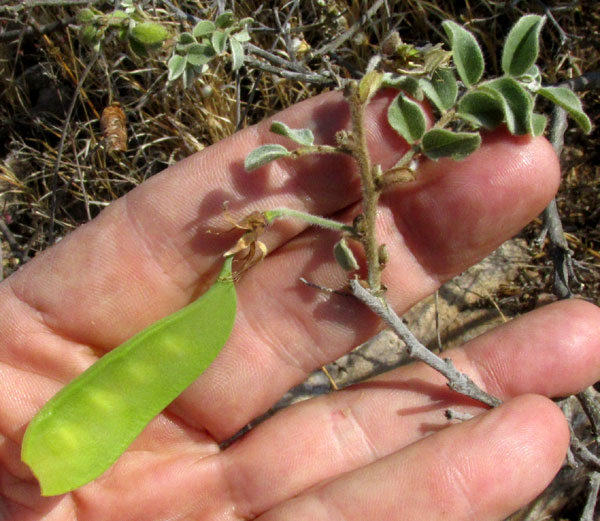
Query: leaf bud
359,225
89,34
383,255
85,16
344,255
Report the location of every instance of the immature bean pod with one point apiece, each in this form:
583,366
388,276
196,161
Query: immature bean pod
87,425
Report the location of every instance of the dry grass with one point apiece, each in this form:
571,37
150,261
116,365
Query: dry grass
42,198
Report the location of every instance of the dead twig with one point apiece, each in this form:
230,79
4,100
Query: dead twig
35,30
590,506
582,453
306,77
347,35
10,239
559,248
457,381
28,4
589,403
588,81
564,273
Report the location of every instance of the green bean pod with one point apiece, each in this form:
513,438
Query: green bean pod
88,424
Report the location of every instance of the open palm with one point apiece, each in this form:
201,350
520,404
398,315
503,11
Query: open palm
380,450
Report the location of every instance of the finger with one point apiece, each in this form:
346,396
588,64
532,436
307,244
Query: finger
288,359
552,351
284,330
149,253
484,469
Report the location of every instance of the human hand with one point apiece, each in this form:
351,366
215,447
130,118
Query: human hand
380,450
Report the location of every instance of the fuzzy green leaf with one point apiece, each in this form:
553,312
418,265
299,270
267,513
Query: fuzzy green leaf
442,89
149,33
262,155
369,85
237,54
407,118
539,124
243,36
176,66
481,108
117,18
219,41
198,69
188,77
532,79
345,256
517,104
203,28
522,45
89,34
85,16
186,39
406,83
182,48
466,53
199,54
302,136
435,57
224,20
568,100
440,143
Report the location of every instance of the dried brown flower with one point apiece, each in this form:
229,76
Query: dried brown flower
113,124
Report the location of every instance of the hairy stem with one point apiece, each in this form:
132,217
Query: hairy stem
590,506
315,220
316,149
457,381
370,193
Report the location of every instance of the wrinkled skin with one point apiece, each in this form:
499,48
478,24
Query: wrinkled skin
380,450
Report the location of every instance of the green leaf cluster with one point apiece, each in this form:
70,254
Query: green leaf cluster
194,50
466,103
129,23
463,100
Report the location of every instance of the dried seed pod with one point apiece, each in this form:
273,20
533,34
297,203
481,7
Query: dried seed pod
390,43
113,124
253,225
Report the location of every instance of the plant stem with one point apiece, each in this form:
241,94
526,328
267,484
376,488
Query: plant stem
590,506
405,160
457,381
315,220
445,119
370,193
316,149
35,30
